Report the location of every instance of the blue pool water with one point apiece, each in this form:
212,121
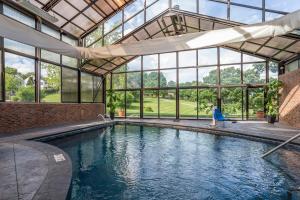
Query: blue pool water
140,162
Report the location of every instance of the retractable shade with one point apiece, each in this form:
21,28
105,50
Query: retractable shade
16,31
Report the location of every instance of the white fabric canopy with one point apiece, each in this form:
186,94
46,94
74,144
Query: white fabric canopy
16,31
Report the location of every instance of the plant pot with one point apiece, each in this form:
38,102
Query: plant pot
271,119
112,116
260,114
121,113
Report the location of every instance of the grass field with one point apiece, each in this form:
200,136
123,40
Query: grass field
51,98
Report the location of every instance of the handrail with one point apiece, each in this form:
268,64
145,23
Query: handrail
281,145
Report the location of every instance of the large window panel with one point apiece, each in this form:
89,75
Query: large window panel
50,56
168,60
248,58
50,31
254,73
120,104
286,5
228,56
98,89
156,8
50,83
207,99
133,8
133,103
19,78
230,74
118,81
212,8
150,103
167,103
187,77
188,103
69,87
150,62
256,102
187,58
245,15
207,76
108,81
190,5
168,78
113,22
93,36
257,3
10,12
133,80
87,86
208,56
113,36
232,102
150,79
68,61
69,40
273,71
19,47
134,65
133,23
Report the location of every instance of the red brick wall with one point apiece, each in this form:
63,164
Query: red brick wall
289,112
15,117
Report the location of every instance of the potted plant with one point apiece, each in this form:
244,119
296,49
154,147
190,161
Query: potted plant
111,103
272,98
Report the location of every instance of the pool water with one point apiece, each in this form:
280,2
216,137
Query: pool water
141,162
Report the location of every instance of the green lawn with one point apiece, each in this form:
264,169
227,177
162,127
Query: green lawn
52,98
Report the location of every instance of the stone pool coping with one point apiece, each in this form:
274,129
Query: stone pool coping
56,183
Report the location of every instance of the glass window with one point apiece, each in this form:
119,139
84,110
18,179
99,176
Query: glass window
254,73
134,65
98,89
120,104
150,62
93,36
10,12
167,103
50,83
232,102
156,8
273,71
245,15
287,5
248,58
50,31
133,8
68,61
207,76
150,79
188,103
230,74
132,103
113,36
292,66
208,56
212,8
228,56
188,5
108,79
69,40
187,58
257,3
168,60
19,78
207,99
168,78
118,81
134,80
133,23
86,81
255,102
113,22
150,103
187,77
270,16
48,55
69,87
19,47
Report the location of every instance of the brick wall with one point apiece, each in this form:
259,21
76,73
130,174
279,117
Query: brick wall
15,117
289,112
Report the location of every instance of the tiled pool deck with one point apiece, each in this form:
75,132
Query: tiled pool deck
29,170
